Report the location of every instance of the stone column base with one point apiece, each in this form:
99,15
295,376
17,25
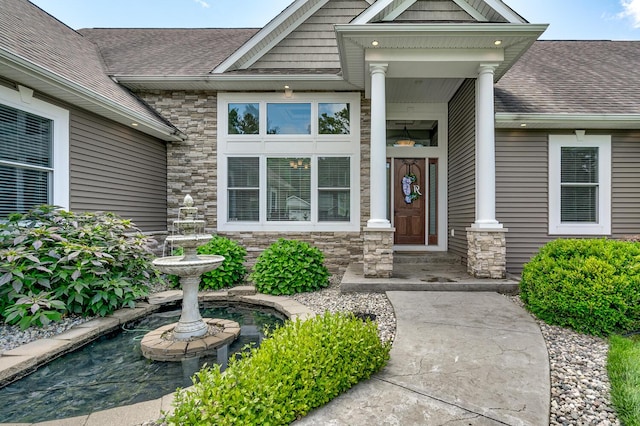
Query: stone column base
487,253
378,252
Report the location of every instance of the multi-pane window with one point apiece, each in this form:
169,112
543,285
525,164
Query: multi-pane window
243,189
333,119
289,191
243,119
26,142
579,184
288,119
333,189
289,163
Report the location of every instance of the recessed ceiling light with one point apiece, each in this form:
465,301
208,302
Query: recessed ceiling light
497,42
375,43
523,124
134,124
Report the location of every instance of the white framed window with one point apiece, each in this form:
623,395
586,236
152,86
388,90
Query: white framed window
289,164
580,185
34,153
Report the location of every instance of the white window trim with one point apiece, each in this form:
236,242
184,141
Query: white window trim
603,143
60,151
311,146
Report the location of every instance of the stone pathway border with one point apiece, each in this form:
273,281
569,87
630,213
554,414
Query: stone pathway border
25,359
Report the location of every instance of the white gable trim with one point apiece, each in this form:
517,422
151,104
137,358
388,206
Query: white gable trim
505,11
398,10
279,21
380,6
372,12
471,10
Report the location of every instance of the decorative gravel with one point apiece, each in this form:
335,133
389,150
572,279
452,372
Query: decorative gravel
579,383
330,299
11,336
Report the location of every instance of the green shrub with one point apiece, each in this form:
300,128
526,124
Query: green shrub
592,286
289,267
93,263
300,366
231,271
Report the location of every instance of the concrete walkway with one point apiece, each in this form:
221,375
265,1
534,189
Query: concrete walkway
458,359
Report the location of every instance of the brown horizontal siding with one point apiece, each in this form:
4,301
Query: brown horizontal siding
434,10
625,184
522,198
461,179
315,35
115,168
522,193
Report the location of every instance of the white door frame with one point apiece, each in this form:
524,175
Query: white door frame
425,111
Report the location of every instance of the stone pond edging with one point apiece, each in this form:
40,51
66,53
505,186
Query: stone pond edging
25,359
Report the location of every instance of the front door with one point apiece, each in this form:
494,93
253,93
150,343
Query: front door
409,200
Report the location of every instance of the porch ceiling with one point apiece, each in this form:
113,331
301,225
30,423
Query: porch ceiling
421,90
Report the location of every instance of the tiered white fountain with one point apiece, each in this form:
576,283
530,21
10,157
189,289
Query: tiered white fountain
192,335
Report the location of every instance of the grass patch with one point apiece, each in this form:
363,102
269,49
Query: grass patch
623,366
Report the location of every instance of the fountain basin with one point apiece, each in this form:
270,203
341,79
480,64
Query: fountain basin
156,345
179,265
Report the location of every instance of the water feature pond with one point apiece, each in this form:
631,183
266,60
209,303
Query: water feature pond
112,372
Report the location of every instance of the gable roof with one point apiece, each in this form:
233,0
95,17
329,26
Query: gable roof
38,51
571,78
166,51
479,10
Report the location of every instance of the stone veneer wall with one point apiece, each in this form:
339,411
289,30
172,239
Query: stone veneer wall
378,252
192,169
487,253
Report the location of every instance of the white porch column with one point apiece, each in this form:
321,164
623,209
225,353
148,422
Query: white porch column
485,151
378,172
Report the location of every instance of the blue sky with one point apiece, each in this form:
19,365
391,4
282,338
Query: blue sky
568,19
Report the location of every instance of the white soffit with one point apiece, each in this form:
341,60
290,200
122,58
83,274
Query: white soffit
567,121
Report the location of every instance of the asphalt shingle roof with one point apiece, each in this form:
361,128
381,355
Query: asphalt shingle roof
584,77
34,35
166,51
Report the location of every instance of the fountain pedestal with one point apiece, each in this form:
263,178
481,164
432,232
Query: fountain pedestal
191,335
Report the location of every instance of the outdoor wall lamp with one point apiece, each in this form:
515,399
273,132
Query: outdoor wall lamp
288,92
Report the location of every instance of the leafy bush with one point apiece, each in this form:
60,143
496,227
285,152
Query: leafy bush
592,286
288,267
93,263
35,310
231,271
300,366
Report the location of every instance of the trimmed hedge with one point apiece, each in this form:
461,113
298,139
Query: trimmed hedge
590,285
289,267
299,367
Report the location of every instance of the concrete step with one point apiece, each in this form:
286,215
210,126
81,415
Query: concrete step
400,258
424,277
